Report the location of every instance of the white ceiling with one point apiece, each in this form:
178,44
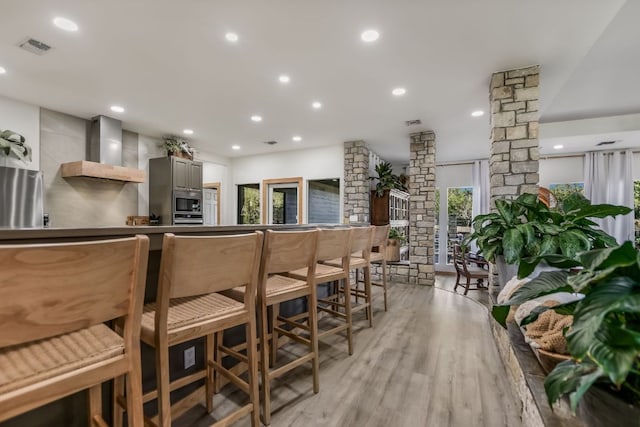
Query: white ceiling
168,63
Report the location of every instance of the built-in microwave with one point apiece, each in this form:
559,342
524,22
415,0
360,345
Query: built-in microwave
187,207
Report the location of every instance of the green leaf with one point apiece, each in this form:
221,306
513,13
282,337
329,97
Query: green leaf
571,378
527,199
615,294
512,245
548,228
504,209
572,242
546,283
549,245
601,211
574,202
599,259
527,265
500,313
528,232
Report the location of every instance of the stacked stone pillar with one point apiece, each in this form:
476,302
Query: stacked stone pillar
514,157
514,133
422,176
356,182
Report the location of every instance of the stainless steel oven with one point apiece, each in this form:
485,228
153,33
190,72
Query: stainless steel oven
187,207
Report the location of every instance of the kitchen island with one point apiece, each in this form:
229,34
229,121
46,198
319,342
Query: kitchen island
70,412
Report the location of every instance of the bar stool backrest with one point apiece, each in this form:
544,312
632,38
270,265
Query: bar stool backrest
380,237
198,265
334,243
52,289
361,241
286,251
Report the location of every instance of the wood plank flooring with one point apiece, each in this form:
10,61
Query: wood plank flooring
429,361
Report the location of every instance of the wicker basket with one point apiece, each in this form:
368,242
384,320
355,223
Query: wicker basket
549,360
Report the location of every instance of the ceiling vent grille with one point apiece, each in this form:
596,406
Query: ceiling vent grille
413,122
605,143
34,46
271,142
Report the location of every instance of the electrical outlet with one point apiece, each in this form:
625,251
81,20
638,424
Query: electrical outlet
189,357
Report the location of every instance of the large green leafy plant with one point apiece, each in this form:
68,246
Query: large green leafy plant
12,143
604,340
527,228
387,180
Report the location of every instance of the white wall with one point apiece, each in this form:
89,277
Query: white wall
562,170
311,163
25,120
216,169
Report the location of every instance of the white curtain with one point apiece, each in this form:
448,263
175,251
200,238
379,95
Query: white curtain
480,182
608,178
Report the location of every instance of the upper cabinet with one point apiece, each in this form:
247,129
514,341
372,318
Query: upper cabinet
187,174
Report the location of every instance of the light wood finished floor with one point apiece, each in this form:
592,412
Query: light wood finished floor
429,361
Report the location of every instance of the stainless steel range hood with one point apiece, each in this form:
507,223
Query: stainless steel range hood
104,155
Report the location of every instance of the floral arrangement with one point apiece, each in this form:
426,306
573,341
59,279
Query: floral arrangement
177,146
12,143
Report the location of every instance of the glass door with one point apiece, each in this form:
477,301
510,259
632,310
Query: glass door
283,203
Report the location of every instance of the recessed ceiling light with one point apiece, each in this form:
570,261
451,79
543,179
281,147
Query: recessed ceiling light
370,36
399,91
188,131
117,109
284,78
478,113
65,24
232,37
2,70
297,138
317,105
235,147
256,118
558,147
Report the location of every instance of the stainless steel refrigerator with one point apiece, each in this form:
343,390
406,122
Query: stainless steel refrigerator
21,194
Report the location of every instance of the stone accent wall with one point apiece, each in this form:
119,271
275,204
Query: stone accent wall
356,182
514,133
422,175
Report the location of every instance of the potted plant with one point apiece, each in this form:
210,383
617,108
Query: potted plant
523,230
396,240
604,338
13,147
386,181
176,146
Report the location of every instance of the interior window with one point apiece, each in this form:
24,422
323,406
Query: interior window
459,206
324,201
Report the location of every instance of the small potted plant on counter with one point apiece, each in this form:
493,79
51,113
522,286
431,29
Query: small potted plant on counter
178,147
396,240
14,152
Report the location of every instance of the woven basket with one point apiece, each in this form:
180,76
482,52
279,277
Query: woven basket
549,360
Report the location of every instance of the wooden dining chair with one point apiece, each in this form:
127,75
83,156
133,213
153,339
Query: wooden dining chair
54,300
337,304
378,256
468,272
189,304
285,251
360,259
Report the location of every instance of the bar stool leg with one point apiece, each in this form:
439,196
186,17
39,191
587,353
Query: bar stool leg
135,412
368,296
162,379
252,356
218,355
348,316
95,403
118,411
384,282
313,329
275,312
264,364
209,380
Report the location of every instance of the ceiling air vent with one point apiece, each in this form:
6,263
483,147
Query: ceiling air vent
605,143
271,142
34,46
413,122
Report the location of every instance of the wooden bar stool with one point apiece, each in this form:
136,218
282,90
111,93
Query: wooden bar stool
380,238
189,305
332,243
54,299
360,260
285,251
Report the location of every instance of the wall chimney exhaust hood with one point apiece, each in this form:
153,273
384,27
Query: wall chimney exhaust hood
104,154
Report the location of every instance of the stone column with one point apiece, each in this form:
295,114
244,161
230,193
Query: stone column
422,203
356,182
514,133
